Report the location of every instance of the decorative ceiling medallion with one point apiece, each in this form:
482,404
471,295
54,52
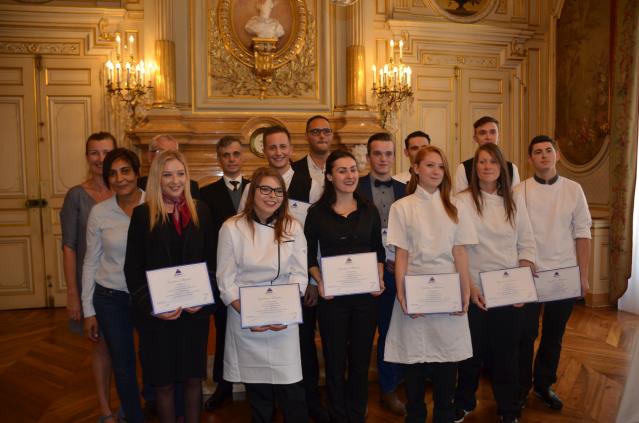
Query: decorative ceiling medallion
463,11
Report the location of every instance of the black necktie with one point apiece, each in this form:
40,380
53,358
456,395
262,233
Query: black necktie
236,185
388,183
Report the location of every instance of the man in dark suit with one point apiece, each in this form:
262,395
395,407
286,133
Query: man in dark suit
319,136
382,190
160,143
223,198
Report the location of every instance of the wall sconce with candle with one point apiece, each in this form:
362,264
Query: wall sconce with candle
392,86
130,82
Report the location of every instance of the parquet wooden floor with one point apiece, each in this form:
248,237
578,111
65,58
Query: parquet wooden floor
45,373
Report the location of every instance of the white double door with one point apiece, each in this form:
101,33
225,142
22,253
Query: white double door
48,107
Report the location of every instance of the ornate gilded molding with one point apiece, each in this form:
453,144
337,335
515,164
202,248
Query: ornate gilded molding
451,59
460,14
502,7
103,33
25,47
232,65
518,49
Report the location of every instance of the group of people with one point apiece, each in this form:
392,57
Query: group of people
117,226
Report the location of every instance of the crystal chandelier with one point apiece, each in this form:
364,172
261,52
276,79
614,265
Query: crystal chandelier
392,86
129,82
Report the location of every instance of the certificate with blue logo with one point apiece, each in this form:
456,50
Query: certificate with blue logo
179,286
270,305
508,286
350,274
432,294
558,284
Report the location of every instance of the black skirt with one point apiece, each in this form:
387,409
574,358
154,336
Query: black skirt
175,350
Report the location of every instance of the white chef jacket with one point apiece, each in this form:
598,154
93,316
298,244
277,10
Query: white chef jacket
461,182
419,224
558,214
245,258
501,245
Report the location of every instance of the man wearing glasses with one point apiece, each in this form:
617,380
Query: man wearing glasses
159,144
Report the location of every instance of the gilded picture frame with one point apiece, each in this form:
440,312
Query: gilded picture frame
233,14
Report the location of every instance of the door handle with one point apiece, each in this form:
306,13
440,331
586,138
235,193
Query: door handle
36,203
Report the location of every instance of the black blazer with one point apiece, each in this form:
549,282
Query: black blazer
364,188
149,250
217,198
300,187
195,189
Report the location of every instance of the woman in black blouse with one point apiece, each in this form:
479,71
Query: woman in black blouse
342,222
170,229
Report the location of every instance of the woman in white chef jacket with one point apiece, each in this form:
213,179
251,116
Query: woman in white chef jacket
505,241
430,235
263,245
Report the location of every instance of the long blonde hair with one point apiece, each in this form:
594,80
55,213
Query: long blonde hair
445,187
157,210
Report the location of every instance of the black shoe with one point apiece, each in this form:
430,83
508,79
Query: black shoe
219,399
549,397
319,414
460,414
149,411
509,419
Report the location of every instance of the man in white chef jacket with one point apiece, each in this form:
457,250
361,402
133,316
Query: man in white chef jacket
412,144
561,222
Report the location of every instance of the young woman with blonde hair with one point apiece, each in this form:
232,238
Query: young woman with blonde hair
170,229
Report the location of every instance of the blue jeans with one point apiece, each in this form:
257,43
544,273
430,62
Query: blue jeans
113,312
390,374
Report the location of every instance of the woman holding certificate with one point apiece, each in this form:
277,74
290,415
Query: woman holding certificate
348,230
170,229
430,234
105,298
264,246
505,242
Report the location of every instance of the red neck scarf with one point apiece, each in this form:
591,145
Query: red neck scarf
181,215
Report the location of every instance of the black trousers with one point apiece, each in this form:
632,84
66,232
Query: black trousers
347,325
443,376
220,337
308,351
555,318
495,333
289,399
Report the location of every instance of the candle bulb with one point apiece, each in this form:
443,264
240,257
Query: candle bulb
408,74
392,45
118,46
381,78
130,46
401,47
374,75
128,74
118,73
109,66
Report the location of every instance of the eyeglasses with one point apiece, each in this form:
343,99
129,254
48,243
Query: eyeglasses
266,190
317,131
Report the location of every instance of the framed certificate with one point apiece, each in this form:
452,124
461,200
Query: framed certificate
270,305
558,284
508,286
431,294
350,274
180,286
299,210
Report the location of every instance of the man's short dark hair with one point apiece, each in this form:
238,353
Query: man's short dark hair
484,120
225,141
379,136
275,129
415,135
538,140
312,118
119,154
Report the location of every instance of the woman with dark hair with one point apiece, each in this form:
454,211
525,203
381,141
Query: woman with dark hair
170,229
263,245
73,219
342,222
505,241
105,297
430,234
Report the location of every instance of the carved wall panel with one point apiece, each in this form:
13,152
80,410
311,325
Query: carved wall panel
17,278
12,163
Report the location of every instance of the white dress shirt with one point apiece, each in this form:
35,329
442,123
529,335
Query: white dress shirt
501,245
403,177
107,230
559,215
314,194
247,258
229,185
419,224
